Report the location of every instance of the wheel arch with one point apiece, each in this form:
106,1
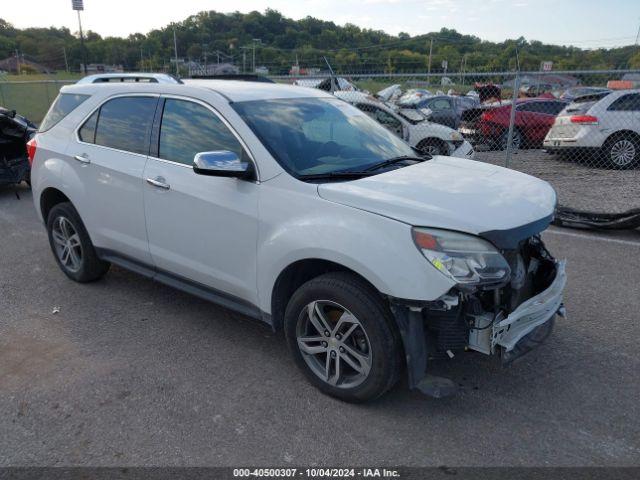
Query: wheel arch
622,133
49,198
295,275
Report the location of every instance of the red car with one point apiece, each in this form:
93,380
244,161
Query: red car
490,124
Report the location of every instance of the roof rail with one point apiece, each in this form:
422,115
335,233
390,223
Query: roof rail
130,77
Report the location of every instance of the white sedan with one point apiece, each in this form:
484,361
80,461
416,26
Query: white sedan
410,125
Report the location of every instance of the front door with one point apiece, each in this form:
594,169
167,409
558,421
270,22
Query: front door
201,228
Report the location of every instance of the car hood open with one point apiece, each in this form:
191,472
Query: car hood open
454,194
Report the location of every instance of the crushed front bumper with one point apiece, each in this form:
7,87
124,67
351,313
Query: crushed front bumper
529,316
508,320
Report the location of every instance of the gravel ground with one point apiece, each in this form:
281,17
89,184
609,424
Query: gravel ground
579,185
130,372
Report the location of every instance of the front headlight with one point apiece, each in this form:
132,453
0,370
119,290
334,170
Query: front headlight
466,259
456,136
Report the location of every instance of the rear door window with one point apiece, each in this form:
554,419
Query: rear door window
626,103
62,106
124,123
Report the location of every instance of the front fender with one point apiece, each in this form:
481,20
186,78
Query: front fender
296,226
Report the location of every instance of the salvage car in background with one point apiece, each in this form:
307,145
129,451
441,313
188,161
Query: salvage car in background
605,126
328,84
570,94
443,109
489,124
15,132
410,125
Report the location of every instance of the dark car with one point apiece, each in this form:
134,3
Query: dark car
15,132
443,109
534,117
572,93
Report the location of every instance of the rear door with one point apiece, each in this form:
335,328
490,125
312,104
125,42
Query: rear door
443,112
108,156
201,228
624,113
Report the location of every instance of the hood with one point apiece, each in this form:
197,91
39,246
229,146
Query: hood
451,193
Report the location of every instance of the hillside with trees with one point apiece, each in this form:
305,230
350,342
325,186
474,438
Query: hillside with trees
349,48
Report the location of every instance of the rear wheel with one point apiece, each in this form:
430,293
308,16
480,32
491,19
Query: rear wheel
71,245
343,337
622,152
516,140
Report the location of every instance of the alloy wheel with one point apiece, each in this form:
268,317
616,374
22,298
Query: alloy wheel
623,153
431,150
67,244
334,344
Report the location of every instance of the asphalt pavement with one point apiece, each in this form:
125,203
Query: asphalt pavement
130,372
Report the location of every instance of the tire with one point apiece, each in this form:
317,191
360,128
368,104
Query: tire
621,152
373,345
516,140
68,234
433,146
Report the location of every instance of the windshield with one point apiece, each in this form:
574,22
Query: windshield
310,136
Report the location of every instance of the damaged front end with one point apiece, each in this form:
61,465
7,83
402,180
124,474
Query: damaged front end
507,317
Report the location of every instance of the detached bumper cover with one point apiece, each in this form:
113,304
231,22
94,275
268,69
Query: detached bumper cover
531,314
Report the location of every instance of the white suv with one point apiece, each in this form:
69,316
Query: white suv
294,207
606,125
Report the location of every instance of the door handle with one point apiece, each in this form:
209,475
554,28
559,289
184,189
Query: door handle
82,158
158,182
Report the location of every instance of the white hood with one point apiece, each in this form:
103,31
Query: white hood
449,193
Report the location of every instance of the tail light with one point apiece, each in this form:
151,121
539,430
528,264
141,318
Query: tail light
486,116
31,150
584,119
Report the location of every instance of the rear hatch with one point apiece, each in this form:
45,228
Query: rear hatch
563,127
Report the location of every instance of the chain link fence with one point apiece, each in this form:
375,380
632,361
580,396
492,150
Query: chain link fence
579,130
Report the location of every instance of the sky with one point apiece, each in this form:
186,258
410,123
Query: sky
583,23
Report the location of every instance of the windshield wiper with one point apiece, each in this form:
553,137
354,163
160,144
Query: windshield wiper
332,175
394,160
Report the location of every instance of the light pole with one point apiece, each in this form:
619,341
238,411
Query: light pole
78,6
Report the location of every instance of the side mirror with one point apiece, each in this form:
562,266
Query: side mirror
221,163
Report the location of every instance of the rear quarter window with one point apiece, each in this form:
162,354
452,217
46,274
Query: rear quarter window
62,106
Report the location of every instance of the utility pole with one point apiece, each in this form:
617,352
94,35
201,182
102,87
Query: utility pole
84,49
244,59
17,62
66,62
255,41
429,65
141,60
78,6
175,48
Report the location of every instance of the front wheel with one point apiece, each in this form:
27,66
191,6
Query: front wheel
433,147
343,337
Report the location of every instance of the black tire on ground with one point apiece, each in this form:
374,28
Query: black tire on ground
621,151
90,267
433,146
517,140
364,303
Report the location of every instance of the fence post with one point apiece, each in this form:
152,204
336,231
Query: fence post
2,100
512,119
